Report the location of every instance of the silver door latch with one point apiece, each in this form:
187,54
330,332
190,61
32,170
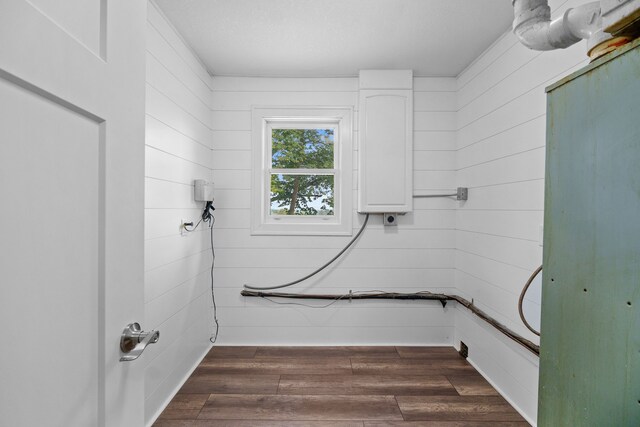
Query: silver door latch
134,340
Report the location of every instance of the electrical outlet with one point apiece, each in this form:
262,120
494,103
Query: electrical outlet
462,193
390,219
183,227
464,350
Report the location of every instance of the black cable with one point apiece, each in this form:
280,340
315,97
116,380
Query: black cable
208,217
306,305
348,296
327,264
422,295
184,226
207,213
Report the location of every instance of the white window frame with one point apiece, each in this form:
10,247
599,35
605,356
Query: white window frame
264,119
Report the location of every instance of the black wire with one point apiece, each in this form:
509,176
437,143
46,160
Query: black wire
211,220
207,217
207,213
193,229
307,305
341,297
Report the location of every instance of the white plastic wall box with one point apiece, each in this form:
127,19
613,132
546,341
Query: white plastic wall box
385,147
203,191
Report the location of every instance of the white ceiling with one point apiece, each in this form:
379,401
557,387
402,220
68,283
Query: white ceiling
332,38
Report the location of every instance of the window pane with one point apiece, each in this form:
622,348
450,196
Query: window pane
302,194
302,148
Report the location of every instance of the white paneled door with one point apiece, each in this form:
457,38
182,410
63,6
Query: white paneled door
71,210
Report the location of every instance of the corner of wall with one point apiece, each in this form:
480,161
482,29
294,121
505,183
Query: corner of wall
500,157
178,149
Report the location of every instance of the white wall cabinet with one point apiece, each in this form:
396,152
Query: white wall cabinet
385,160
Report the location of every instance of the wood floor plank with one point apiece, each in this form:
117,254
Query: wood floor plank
406,385
352,351
278,366
255,423
337,387
201,382
412,366
472,385
226,352
300,408
184,406
445,424
456,408
428,352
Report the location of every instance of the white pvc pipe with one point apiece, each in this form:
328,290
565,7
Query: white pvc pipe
533,26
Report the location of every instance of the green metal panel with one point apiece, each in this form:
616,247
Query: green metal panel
590,343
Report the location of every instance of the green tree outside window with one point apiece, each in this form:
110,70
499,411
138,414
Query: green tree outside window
302,178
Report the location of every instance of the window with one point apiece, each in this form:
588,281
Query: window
302,168
302,171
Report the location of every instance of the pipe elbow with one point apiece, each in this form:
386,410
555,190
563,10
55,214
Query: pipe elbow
531,23
535,36
533,26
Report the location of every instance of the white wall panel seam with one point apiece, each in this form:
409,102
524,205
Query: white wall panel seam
179,80
161,92
496,286
208,83
167,372
541,147
192,233
499,82
208,250
178,157
474,63
539,87
491,47
206,270
178,131
181,308
502,210
496,235
165,53
507,183
528,269
186,184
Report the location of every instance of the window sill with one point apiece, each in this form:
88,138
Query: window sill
293,229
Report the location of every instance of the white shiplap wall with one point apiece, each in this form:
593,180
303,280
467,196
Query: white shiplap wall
417,255
178,150
501,152
484,130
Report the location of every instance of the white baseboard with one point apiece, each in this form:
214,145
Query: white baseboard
504,395
177,388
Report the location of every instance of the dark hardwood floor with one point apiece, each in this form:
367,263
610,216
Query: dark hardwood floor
337,387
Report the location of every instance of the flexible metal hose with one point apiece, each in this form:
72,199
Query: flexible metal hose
327,264
521,300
